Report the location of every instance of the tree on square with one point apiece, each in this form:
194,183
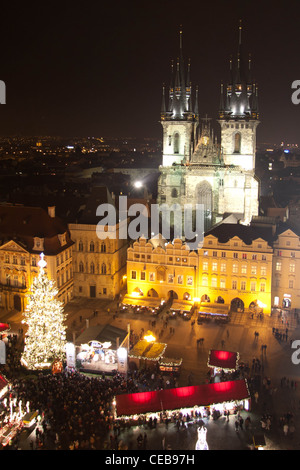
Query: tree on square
45,338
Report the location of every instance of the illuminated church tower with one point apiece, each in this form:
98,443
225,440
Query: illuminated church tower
196,169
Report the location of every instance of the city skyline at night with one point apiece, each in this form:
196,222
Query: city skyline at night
73,71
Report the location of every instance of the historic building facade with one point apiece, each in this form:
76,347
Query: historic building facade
25,233
286,269
160,269
232,270
99,263
196,169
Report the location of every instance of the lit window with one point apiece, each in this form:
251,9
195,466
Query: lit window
263,270
235,268
278,266
253,269
292,268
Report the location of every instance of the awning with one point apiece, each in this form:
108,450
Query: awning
214,309
181,306
151,302
223,359
182,397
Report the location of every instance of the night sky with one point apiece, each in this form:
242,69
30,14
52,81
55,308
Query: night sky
97,68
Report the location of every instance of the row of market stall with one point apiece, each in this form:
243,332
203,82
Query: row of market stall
192,400
203,311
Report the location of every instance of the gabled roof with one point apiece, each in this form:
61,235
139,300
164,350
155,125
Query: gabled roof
225,232
22,224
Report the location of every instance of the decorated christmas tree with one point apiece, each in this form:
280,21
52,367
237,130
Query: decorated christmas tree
45,338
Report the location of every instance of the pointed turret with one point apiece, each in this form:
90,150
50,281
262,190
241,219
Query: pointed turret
239,90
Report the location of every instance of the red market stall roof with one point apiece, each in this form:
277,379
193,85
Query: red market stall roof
3,385
182,397
4,327
223,359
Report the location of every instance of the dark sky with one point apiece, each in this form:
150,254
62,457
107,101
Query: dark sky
96,68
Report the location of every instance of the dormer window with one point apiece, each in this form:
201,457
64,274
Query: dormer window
38,244
62,239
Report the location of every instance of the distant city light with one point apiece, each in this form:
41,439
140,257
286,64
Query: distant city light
138,184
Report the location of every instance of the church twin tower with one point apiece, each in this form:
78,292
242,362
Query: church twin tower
196,169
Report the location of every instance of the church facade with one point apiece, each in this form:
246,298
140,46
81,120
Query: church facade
196,168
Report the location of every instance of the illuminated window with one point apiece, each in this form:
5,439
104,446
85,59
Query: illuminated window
222,283
278,266
263,270
223,268
170,278
180,279
253,286
205,265
292,268
244,269
214,282
214,266
253,269
235,268
190,280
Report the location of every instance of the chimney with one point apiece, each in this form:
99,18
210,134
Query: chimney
51,211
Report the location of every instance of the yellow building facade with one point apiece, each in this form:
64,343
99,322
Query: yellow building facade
236,270
99,265
26,233
286,270
162,270
230,272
